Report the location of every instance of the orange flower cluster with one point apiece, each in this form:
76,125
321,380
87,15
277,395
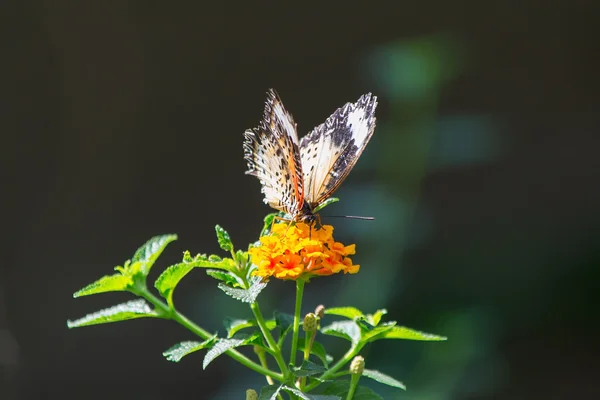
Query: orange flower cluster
294,251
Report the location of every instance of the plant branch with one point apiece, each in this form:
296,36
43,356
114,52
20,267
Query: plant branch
276,351
172,313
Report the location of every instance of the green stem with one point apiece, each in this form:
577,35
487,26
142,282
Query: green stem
276,351
260,352
331,371
297,310
172,313
353,383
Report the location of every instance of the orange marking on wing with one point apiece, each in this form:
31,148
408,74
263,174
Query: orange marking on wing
295,180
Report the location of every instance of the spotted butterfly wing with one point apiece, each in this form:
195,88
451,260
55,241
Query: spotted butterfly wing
331,150
272,154
326,155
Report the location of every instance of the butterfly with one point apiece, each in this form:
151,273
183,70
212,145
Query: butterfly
298,176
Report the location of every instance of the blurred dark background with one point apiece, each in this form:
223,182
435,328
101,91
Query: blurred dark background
124,120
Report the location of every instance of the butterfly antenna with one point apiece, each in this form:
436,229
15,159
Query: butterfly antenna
351,217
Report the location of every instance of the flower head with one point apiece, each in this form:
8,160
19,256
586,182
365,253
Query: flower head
300,250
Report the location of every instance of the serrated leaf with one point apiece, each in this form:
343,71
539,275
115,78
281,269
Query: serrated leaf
341,388
220,347
223,238
376,318
212,261
228,278
317,349
348,312
245,295
131,310
234,325
402,332
376,332
383,378
298,393
269,392
344,329
109,283
168,280
324,204
151,250
180,350
308,368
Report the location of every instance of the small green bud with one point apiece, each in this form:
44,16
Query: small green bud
310,323
251,394
357,365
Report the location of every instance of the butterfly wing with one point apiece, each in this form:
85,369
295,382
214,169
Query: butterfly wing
271,152
329,152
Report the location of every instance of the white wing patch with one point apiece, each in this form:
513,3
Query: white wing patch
331,150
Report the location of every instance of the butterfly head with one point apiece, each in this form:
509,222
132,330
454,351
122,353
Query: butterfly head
306,215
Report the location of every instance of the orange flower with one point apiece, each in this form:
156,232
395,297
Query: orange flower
294,251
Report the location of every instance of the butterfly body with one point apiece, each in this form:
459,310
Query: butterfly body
299,175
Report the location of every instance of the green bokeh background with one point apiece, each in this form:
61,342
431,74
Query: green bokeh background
124,120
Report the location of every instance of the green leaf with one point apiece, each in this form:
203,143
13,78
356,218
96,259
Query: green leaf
187,257
242,258
376,318
223,238
269,392
301,395
344,329
168,280
308,368
268,223
401,332
364,324
111,283
245,295
221,346
348,312
228,278
212,261
383,378
324,204
341,388
150,251
376,332
234,325
284,322
130,310
318,350
180,350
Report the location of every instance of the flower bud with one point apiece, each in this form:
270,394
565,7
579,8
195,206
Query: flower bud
357,365
251,394
320,311
310,322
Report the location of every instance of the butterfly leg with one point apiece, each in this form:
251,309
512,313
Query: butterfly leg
278,218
